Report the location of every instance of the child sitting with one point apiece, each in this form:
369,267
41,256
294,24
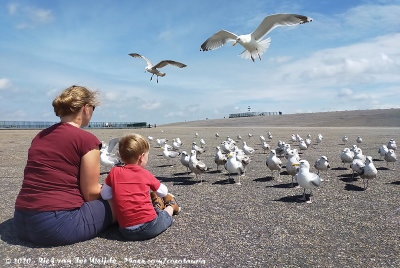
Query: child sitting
129,186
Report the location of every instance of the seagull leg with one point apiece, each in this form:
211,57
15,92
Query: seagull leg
230,179
151,78
239,179
309,201
157,79
259,56
366,187
304,196
252,58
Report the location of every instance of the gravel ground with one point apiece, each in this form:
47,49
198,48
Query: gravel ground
260,223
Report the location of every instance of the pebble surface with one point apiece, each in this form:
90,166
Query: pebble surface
259,223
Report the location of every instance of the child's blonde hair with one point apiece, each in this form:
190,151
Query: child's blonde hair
72,99
132,146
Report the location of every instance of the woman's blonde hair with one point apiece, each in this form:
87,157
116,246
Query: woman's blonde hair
132,146
72,99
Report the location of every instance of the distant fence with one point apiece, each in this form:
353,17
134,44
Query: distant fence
44,124
250,114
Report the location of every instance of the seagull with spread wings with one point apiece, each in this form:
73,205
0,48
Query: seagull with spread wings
153,69
253,43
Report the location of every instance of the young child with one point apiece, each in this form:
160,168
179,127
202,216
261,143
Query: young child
139,218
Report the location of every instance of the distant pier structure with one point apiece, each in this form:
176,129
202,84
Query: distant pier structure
250,114
46,124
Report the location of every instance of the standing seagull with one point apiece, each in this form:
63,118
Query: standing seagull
153,68
220,158
169,154
196,166
274,163
234,165
290,168
306,179
185,160
383,150
369,172
322,164
253,43
390,156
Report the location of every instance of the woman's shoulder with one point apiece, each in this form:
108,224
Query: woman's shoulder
80,132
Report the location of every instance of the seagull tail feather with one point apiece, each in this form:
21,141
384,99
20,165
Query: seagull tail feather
262,46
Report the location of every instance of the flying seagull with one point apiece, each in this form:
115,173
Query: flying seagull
252,42
153,68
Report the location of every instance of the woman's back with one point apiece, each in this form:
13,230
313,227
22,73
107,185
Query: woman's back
51,175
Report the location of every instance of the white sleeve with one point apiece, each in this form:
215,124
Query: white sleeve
106,192
162,190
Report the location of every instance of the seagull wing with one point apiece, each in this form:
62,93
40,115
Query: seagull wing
218,40
272,21
315,179
201,166
166,62
111,144
135,55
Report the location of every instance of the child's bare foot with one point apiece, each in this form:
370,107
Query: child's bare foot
169,200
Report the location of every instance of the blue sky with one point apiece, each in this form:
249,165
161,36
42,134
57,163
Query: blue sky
348,58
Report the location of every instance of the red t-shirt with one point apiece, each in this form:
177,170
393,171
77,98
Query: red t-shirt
130,188
51,175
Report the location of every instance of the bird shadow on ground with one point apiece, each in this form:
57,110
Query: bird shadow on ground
293,199
226,181
264,179
179,180
339,168
181,173
348,178
104,173
383,168
166,165
352,187
395,182
215,171
283,185
377,160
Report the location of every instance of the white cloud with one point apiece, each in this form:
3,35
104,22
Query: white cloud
345,92
367,17
4,83
371,61
150,105
30,17
12,9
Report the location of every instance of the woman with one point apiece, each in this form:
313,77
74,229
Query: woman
59,202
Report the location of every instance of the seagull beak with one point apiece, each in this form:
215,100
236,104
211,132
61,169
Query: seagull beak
234,43
295,164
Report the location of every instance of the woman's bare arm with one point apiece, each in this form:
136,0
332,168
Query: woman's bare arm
90,175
